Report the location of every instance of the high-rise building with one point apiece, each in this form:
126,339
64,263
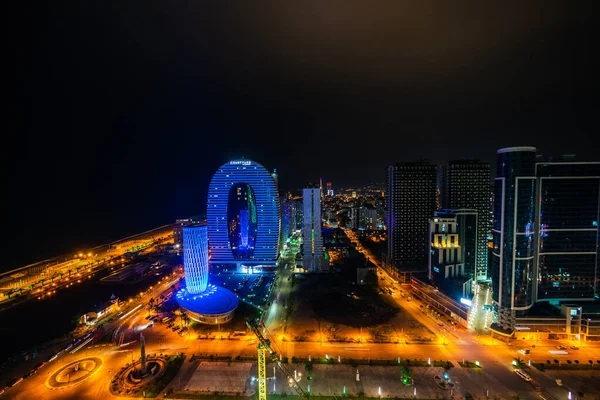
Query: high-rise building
291,213
321,186
512,264
195,256
312,245
363,218
466,186
442,201
545,233
243,217
205,303
411,198
568,215
329,189
178,229
299,210
453,237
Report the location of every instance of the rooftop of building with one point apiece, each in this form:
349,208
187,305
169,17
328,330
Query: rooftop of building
545,309
214,300
423,162
517,148
468,161
195,224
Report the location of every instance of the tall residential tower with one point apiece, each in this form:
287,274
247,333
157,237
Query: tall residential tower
467,184
411,199
312,245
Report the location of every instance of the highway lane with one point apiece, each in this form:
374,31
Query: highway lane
68,272
275,317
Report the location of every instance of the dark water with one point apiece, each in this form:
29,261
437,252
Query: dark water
34,322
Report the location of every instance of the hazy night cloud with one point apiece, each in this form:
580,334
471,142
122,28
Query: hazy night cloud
136,105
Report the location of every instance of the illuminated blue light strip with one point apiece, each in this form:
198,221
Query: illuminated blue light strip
267,210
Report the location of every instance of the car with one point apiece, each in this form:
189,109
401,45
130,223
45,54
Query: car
574,348
523,375
524,351
561,347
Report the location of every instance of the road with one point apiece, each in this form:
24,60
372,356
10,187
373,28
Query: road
131,317
275,318
65,274
453,344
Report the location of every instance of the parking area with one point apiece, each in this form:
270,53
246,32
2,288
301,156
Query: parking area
223,377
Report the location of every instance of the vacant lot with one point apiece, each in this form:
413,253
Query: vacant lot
326,307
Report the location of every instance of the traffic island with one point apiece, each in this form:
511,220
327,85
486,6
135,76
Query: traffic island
74,373
131,382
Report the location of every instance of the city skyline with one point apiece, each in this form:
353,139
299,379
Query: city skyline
112,118
322,198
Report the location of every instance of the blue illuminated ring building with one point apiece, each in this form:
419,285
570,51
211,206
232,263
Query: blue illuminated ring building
243,217
205,303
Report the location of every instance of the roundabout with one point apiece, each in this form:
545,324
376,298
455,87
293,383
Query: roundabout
74,373
131,381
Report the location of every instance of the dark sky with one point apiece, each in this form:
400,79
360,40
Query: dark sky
120,111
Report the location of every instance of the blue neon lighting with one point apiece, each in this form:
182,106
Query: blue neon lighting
266,200
244,228
195,258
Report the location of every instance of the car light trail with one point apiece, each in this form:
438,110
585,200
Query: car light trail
126,315
82,345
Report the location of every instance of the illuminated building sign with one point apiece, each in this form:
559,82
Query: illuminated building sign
240,162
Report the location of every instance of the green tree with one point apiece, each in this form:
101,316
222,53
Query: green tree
406,378
308,367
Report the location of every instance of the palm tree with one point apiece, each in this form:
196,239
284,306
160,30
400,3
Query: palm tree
178,313
185,318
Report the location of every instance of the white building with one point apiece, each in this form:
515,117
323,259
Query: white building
312,246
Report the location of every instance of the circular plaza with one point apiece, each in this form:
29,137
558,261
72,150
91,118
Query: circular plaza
74,373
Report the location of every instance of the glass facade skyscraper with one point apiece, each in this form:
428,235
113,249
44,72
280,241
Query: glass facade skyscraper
545,232
512,263
243,216
569,208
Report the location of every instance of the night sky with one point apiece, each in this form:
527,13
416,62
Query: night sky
119,112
